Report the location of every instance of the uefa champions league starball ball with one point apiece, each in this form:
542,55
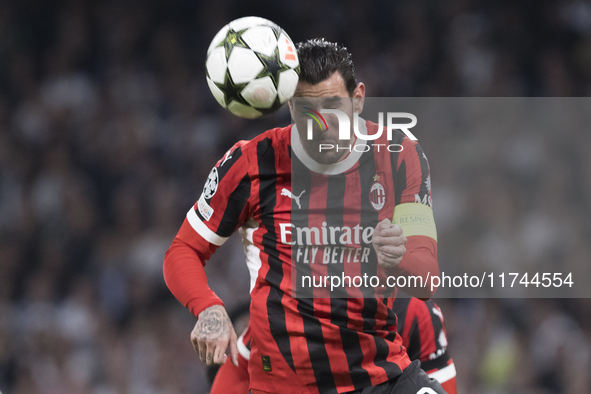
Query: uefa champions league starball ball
252,67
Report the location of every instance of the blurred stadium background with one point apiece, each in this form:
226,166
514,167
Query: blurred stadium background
108,130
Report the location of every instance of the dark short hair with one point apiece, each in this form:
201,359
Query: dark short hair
319,59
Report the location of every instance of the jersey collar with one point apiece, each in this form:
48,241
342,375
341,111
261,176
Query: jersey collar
328,169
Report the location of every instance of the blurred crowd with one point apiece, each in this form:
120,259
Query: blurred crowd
108,131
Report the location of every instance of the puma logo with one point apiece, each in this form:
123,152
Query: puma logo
228,157
289,194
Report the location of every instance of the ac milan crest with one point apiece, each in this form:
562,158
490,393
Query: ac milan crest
377,196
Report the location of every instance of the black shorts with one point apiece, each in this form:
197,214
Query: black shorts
412,381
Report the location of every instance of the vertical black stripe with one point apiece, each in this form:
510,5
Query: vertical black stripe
424,191
436,322
335,209
301,180
370,218
317,351
442,355
400,308
391,320
399,182
399,173
351,344
236,202
268,198
414,341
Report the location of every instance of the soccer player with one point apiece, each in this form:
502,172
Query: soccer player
422,328
312,345
420,324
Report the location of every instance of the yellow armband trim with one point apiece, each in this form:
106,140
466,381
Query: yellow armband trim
415,219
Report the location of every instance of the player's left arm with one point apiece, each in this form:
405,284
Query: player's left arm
221,209
407,245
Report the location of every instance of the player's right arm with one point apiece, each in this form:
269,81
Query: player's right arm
407,246
221,209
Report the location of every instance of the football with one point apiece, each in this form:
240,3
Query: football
252,67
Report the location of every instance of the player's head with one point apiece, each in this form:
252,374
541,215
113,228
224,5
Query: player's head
320,59
327,81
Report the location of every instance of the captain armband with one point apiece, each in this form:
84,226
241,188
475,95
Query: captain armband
415,219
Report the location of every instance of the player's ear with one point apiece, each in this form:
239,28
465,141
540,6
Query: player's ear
290,105
359,97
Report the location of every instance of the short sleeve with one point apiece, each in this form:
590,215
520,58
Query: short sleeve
412,179
223,205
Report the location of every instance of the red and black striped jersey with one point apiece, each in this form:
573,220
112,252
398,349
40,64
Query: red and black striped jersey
422,328
320,344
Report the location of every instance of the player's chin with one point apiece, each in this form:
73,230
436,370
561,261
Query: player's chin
325,154
327,157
